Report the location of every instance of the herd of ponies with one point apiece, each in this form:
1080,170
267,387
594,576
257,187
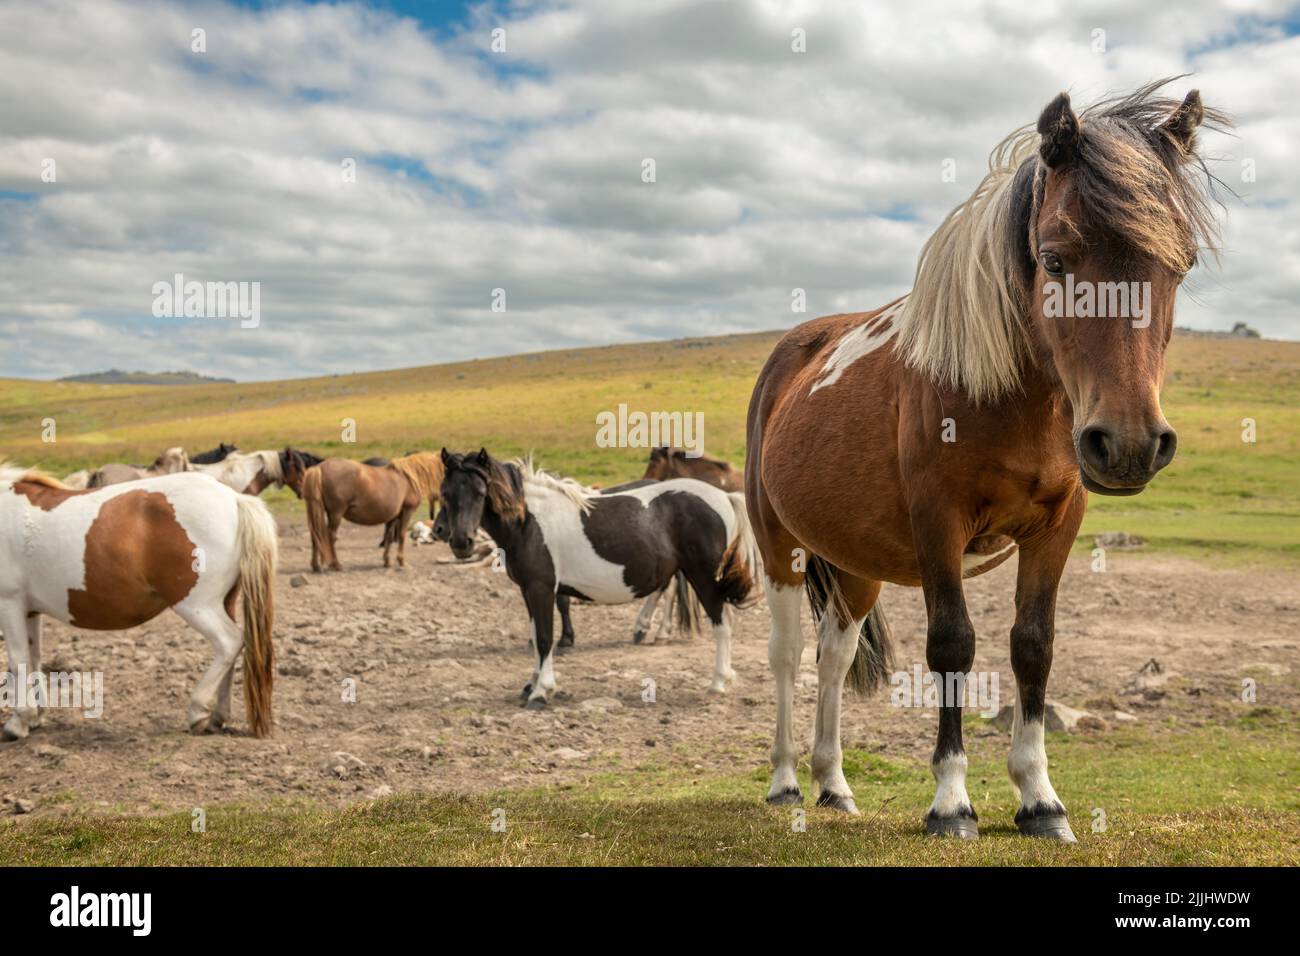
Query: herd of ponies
850,469
111,548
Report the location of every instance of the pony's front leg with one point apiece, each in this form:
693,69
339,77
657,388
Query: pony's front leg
566,621
949,652
13,619
1041,812
540,600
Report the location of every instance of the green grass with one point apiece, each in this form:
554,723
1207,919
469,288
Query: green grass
1222,498
1210,796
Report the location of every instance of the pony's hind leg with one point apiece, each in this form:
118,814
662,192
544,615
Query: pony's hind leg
784,650
215,624
645,617
34,662
13,620
838,637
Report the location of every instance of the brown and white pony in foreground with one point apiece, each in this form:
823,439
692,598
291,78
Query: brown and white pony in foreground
340,488
117,557
924,443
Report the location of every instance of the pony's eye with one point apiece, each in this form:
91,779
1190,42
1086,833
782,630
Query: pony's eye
1052,264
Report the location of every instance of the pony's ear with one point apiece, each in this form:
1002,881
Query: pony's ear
446,457
483,457
1059,128
656,453
1182,122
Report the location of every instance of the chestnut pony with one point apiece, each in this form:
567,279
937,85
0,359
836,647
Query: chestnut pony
340,488
925,442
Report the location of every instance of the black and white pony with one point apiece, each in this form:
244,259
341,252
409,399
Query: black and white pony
560,538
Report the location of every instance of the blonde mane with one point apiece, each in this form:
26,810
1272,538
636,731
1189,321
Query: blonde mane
964,324
577,493
424,470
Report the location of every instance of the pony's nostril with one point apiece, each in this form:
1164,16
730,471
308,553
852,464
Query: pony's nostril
1096,444
1166,445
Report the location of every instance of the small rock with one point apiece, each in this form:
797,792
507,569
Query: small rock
383,790
1124,717
23,806
600,704
1118,541
298,580
568,753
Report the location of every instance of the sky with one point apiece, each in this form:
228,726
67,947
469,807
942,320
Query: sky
404,194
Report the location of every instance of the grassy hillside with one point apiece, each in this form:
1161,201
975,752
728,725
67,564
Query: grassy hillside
1221,497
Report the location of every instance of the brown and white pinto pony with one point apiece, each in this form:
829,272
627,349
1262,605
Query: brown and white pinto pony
340,488
925,442
668,463
114,558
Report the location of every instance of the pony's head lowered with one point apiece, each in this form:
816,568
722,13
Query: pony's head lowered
474,483
1068,257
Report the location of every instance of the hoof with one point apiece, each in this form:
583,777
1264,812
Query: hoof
786,798
13,731
1055,827
528,689
718,687
836,802
638,636
566,640
537,703
963,828
201,726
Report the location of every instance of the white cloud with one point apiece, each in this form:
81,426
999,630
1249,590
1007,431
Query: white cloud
522,171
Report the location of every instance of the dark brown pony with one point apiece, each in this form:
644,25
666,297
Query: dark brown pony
339,488
668,463
923,443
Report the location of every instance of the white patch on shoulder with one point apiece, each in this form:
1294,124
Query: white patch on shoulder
857,343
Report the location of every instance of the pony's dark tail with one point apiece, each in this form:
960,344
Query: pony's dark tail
686,607
874,660
741,564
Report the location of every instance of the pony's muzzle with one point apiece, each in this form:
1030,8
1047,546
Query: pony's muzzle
462,546
1119,463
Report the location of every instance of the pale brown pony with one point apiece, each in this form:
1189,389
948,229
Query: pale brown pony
340,488
668,463
923,443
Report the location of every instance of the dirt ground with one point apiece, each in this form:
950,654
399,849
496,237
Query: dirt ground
438,654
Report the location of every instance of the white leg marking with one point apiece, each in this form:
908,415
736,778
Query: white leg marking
722,672
13,620
836,648
641,630
950,797
1027,762
784,649
214,624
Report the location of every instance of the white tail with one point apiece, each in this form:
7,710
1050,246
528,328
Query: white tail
258,553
